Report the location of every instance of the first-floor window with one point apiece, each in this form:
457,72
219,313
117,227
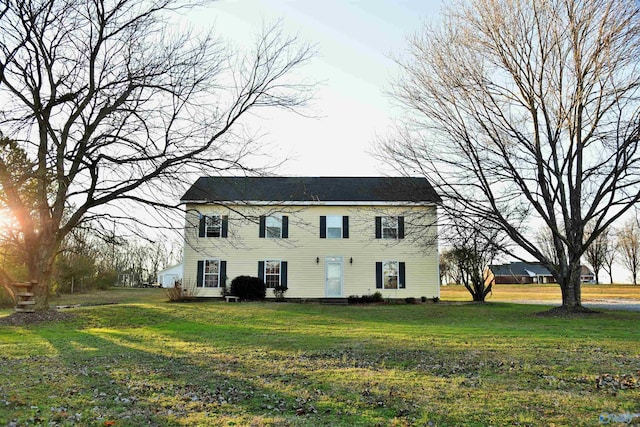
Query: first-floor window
211,273
390,275
272,273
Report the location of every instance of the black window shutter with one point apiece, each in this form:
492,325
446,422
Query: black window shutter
402,275
400,227
223,273
261,269
283,273
225,226
285,227
200,274
378,227
345,227
262,232
323,227
378,275
203,220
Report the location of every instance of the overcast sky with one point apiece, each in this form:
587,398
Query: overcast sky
355,40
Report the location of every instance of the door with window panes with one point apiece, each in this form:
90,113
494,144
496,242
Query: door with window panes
333,277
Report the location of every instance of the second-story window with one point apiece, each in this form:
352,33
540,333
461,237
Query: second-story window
334,227
213,225
389,227
274,226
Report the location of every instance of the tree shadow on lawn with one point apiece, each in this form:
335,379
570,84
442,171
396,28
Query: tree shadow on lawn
166,369
95,378
101,375
286,359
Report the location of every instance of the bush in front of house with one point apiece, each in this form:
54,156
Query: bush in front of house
248,288
279,291
365,299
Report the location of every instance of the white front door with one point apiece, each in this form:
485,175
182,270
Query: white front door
333,277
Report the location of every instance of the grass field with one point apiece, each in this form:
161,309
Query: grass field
148,362
551,293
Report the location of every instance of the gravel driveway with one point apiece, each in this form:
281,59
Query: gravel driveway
609,304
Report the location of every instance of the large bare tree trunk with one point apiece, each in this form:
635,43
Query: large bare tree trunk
570,287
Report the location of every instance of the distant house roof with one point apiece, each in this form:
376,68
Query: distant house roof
531,269
585,271
311,189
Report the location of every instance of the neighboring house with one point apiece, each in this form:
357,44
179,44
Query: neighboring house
586,275
527,273
168,277
323,237
521,273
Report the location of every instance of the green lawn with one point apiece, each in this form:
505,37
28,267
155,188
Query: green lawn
214,363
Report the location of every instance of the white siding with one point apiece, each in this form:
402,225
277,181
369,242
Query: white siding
305,251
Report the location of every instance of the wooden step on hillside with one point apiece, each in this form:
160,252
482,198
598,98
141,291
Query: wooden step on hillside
24,297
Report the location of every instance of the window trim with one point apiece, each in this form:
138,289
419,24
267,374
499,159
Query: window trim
282,272
344,226
203,227
395,228
380,227
401,275
284,227
277,218
338,220
266,275
201,275
397,275
208,227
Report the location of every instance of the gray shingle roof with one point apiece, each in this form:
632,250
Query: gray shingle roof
520,269
528,269
311,189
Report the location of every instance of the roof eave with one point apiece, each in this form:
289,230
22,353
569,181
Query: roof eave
309,203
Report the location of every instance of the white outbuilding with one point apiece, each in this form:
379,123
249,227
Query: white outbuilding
168,277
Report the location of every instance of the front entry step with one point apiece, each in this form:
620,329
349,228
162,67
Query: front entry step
334,301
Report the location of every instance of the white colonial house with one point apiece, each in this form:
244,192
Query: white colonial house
322,237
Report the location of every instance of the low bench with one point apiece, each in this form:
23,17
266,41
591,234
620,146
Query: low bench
232,298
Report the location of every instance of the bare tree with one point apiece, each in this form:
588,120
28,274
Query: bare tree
112,104
597,253
524,110
629,247
610,257
446,265
473,246
544,240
